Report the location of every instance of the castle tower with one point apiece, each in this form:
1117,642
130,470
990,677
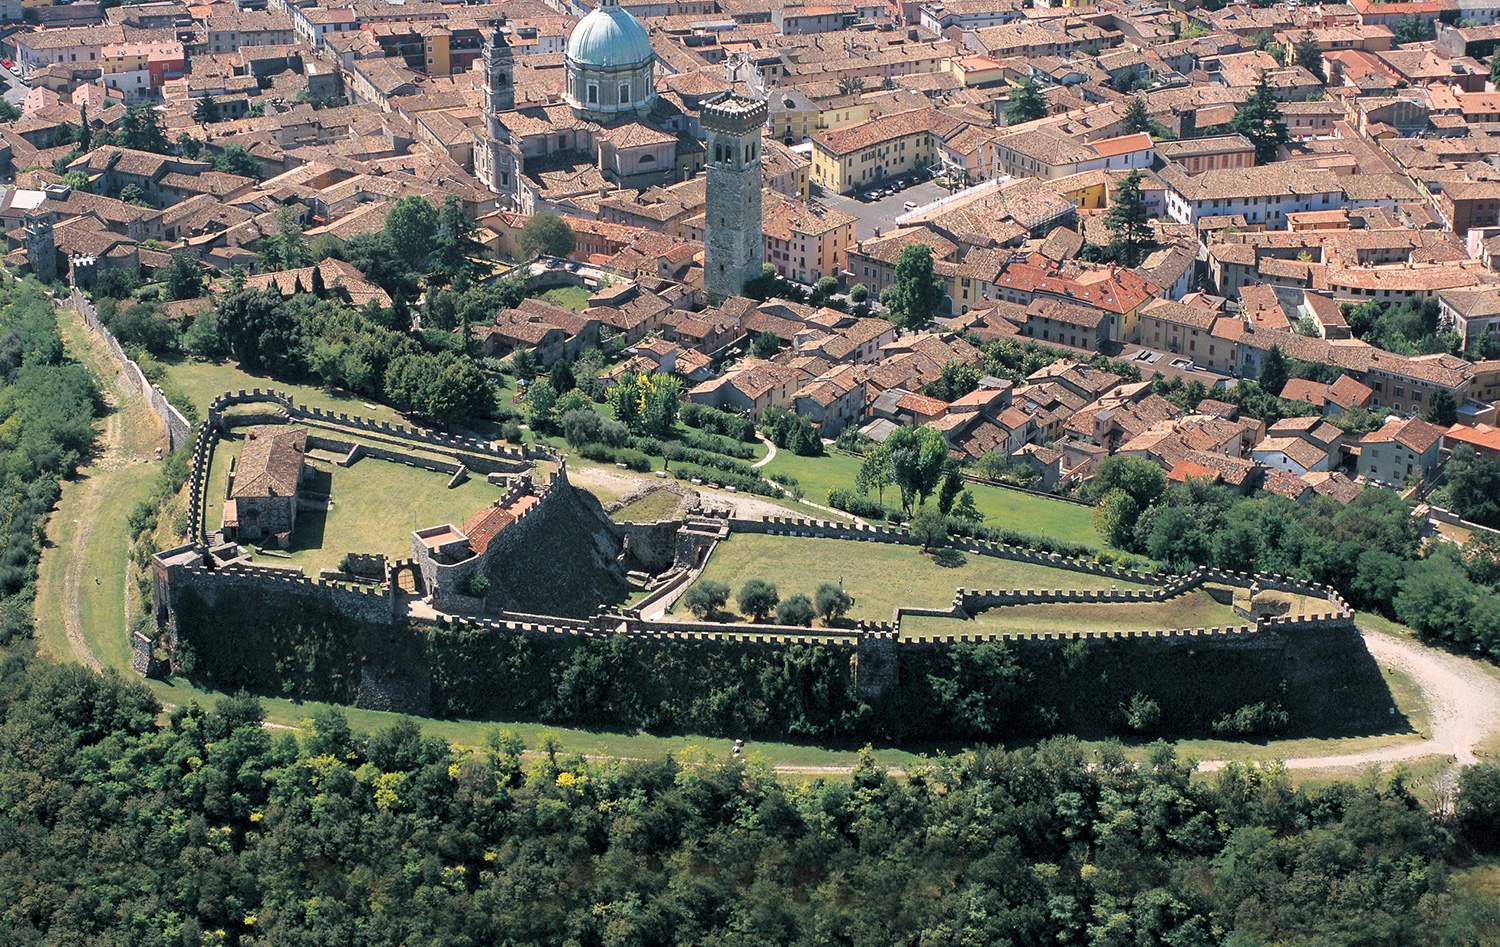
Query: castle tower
41,248
734,247
499,86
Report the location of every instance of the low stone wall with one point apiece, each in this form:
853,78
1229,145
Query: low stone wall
177,427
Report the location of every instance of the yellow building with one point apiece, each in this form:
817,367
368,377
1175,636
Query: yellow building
977,70
884,147
435,41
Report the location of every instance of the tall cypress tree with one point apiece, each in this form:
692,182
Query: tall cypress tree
1259,120
1127,220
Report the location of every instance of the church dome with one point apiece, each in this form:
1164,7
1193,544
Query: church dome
609,38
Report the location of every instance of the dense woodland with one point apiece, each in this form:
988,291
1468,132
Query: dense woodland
211,829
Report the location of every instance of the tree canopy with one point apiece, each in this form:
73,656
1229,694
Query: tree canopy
1259,120
547,234
916,295
1026,102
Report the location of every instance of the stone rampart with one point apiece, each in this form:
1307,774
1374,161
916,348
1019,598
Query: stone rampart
372,604
177,427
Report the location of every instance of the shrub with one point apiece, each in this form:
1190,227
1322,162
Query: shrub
855,503
582,426
706,597
795,610
1253,720
723,478
614,433
633,459
757,598
1143,714
510,431
476,585
831,602
597,452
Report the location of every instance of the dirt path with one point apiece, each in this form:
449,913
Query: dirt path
82,499
770,452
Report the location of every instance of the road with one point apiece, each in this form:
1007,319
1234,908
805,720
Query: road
14,92
879,215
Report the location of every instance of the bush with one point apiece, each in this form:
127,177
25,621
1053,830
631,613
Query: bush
582,426
723,478
1258,719
596,452
614,433
831,602
795,610
706,597
757,598
856,503
633,459
477,586
510,431
731,424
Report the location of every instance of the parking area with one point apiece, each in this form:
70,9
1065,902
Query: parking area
14,92
880,214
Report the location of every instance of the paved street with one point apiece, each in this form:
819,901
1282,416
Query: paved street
880,214
14,91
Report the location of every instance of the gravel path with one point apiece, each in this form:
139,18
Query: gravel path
770,453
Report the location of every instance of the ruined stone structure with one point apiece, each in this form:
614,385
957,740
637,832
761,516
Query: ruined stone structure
40,246
732,242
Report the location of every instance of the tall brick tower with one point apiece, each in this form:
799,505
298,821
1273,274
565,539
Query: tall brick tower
734,247
40,245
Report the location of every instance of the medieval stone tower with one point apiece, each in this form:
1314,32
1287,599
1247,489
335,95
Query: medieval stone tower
500,86
40,246
494,161
734,247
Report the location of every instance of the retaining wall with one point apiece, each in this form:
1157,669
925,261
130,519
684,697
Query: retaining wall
177,427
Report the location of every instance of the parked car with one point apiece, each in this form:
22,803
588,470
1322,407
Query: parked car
910,205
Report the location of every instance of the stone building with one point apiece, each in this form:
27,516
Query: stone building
40,246
263,487
733,241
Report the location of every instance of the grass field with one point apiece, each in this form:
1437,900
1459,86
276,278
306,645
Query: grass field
879,576
653,506
1193,610
376,505
1003,508
203,381
574,297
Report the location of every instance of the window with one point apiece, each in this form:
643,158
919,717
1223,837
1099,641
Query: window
593,97
624,93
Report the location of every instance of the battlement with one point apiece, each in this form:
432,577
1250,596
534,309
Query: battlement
733,113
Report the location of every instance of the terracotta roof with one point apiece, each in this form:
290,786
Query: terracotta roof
270,463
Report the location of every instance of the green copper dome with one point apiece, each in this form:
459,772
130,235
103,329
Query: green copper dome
609,38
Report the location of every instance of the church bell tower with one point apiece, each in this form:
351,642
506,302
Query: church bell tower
499,86
734,244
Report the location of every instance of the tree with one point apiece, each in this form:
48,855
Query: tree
132,194
832,602
546,234
859,293
207,111
286,248
143,129
765,344
1495,70
1412,29
929,527
796,610
1309,56
915,296
410,225
1259,120
561,376
874,472
184,277
826,287
1026,103
1441,408
1127,221
188,146
78,180
915,458
1143,479
757,598
1474,486
1274,371
455,250
540,399
85,131
1136,118
647,402
1115,517
236,160
706,597
851,85
953,485
8,112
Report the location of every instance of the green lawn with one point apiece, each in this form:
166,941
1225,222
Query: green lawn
1193,610
878,575
1003,508
574,297
376,505
203,381
653,506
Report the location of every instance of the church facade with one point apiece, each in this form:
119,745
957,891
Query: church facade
610,131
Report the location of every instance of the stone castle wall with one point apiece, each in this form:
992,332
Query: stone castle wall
177,427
